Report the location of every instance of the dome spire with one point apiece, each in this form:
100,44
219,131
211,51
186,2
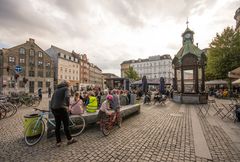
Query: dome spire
187,22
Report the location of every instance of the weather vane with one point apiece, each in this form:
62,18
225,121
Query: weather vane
187,22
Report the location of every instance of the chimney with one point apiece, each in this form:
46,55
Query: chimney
31,40
197,44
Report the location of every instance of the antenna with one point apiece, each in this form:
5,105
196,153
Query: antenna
187,22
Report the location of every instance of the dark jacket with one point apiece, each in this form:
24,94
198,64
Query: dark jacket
60,98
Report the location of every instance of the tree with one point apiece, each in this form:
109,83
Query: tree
223,54
131,74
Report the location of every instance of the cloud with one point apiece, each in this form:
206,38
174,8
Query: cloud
111,31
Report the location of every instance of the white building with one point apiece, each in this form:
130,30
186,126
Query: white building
67,66
155,67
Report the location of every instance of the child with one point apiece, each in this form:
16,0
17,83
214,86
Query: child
105,107
76,106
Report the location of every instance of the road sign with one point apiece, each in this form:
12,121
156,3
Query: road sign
18,69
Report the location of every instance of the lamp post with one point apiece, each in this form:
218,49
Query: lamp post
230,83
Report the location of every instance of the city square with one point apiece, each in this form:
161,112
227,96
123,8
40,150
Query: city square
120,81
158,133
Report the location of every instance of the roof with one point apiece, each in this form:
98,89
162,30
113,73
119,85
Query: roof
150,58
214,82
235,73
188,48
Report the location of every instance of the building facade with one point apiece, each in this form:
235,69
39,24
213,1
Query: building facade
36,68
66,66
76,68
153,68
124,67
237,18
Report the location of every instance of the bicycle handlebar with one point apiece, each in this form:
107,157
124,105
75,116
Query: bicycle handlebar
41,110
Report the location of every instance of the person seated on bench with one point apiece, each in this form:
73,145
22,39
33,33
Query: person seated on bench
104,109
92,103
76,105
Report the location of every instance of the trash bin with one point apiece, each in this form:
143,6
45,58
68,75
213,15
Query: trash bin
27,120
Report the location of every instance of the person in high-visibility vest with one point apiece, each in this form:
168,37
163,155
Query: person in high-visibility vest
92,103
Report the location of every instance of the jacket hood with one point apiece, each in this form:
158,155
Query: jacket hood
61,85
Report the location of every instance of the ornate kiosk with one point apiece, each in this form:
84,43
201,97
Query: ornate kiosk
189,72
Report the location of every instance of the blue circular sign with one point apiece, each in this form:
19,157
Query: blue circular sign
18,69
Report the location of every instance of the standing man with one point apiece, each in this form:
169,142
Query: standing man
59,104
40,93
49,92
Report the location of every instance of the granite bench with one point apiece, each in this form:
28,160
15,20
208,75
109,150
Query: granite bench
91,118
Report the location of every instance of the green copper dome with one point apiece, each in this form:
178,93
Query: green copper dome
188,46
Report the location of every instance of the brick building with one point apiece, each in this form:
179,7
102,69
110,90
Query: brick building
36,65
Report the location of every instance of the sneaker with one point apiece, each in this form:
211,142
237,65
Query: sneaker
71,141
58,144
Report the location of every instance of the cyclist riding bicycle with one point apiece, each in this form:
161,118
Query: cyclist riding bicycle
105,107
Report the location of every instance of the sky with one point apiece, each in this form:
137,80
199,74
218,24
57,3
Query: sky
112,31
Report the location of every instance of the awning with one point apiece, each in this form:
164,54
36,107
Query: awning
215,82
236,82
234,73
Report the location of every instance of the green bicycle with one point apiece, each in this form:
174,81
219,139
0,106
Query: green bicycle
36,129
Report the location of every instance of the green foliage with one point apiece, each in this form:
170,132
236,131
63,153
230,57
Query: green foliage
223,54
132,74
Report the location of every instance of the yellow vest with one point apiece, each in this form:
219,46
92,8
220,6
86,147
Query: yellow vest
92,105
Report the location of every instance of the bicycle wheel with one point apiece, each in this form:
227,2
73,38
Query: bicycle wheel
34,132
11,109
2,112
77,125
105,128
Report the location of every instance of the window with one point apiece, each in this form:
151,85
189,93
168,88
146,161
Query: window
31,62
40,63
22,51
73,78
69,77
65,77
40,54
31,73
22,61
65,71
11,59
69,70
64,56
40,73
48,84
40,84
47,64
73,65
61,69
73,71
32,52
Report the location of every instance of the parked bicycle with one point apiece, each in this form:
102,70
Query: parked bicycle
6,108
107,124
36,129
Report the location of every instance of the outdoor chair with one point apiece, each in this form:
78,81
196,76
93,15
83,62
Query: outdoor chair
219,109
204,108
229,111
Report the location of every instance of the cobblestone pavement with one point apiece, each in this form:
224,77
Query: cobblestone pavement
158,133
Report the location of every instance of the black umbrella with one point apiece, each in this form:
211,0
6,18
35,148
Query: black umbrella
144,85
162,85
